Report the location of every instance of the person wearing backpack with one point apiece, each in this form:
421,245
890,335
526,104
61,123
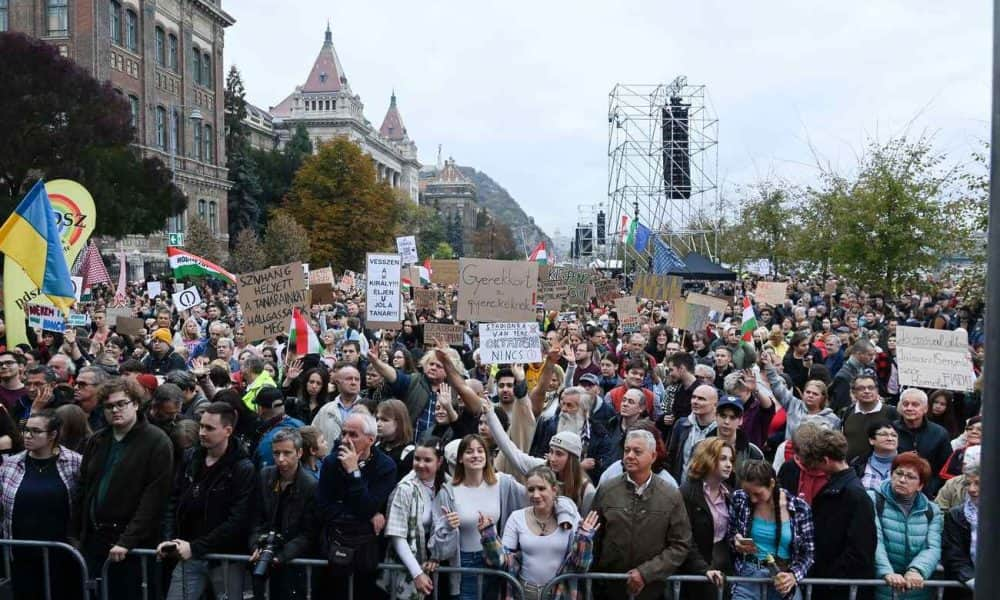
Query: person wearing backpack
908,529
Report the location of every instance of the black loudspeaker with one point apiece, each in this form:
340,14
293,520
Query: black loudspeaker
601,226
585,240
676,150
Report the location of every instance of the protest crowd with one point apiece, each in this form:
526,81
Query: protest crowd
627,433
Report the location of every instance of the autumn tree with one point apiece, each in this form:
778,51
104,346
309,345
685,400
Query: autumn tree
421,221
247,253
285,241
199,240
493,239
344,209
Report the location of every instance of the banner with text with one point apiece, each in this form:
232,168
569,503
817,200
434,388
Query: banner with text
46,318
407,248
496,290
444,272
771,292
506,343
383,303
451,334
934,358
267,298
657,287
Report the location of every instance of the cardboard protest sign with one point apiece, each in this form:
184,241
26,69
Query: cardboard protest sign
574,287
267,298
657,287
628,314
347,281
717,306
407,248
46,318
496,290
424,299
444,272
323,275
130,326
322,293
607,290
153,288
934,358
687,316
453,335
383,303
505,343
113,313
186,299
771,292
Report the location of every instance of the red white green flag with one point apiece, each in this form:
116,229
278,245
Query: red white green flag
749,322
539,255
302,339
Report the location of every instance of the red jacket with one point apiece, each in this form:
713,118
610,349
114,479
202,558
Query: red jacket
616,395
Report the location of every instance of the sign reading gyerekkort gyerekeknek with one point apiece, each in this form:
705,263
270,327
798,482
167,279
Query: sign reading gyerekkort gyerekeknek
383,304
267,298
496,290
934,358
504,343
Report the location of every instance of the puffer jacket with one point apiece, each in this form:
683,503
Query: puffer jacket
906,541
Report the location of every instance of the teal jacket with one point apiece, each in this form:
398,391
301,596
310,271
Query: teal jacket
906,542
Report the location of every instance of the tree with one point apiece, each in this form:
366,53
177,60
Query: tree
247,253
765,227
346,212
236,112
493,239
421,221
285,241
443,251
276,170
199,240
244,196
58,121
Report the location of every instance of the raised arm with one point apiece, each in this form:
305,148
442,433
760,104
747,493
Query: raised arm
470,398
384,369
537,395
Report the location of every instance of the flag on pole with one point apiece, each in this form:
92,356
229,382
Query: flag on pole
642,234
665,260
749,322
539,255
430,271
186,264
425,275
624,229
630,236
301,338
30,237
121,294
92,268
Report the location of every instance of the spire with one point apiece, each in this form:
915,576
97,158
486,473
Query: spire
392,126
328,40
327,74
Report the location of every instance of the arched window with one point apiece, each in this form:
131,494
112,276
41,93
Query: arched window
172,52
196,65
161,127
206,70
161,47
206,155
131,30
57,17
133,105
213,217
116,21
201,208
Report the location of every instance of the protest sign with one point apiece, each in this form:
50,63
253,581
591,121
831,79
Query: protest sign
347,281
657,287
187,298
830,287
496,290
505,343
574,287
934,358
628,314
46,318
113,313
153,288
77,286
453,335
267,298
130,326
771,292
79,320
406,246
323,275
425,299
566,317
444,272
607,290
717,306
383,305
687,316
322,293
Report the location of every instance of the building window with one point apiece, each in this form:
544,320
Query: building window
57,17
172,52
133,105
196,65
4,8
161,47
161,127
213,217
116,21
175,129
209,143
197,140
206,71
175,224
201,208
131,30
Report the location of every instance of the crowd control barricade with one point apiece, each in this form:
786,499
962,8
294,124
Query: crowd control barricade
676,584
46,547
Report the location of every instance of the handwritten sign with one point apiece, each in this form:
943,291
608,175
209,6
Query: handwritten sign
496,290
323,275
187,298
607,290
153,288
934,358
322,293
424,299
684,315
771,292
717,306
628,314
46,318
444,272
383,306
407,248
453,335
505,343
130,326
657,287
267,298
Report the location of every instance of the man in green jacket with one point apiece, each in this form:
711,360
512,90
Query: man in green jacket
645,531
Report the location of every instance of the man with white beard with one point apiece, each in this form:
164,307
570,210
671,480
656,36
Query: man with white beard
573,416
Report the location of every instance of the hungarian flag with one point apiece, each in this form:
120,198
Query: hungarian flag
302,339
539,255
425,274
427,267
749,321
186,264
630,235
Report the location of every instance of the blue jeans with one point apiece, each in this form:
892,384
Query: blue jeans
191,577
470,582
752,591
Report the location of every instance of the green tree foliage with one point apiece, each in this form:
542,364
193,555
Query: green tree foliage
199,240
244,196
59,122
236,112
285,241
335,196
443,251
765,227
422,221
276,169
247,253
493,239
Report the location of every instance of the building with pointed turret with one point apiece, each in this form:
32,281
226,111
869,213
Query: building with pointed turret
327,107
453,195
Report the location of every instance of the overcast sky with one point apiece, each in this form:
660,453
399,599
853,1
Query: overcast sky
520,89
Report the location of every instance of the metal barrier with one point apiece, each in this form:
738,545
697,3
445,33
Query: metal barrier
46,548
806,585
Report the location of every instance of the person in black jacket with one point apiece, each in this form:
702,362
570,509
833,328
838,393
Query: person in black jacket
286,506
958,541
123,488
711,465
161,358
918,434
843,517
211,511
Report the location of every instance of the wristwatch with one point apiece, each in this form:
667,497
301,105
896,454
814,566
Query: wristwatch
356,473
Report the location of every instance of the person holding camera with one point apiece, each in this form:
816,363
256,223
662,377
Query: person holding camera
285,508
210,511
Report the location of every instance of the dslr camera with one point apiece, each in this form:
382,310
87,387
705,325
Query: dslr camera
268,544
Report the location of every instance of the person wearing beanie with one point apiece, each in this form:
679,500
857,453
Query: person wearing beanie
161,358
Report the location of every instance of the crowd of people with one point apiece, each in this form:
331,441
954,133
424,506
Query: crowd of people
643,451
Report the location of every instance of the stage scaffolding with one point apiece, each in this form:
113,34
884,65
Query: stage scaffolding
653,170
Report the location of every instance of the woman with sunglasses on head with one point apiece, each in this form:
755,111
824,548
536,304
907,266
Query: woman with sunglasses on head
38,486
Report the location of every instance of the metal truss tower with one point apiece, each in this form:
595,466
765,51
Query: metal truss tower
663,165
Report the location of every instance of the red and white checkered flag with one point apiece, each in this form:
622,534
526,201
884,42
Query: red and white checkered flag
92,269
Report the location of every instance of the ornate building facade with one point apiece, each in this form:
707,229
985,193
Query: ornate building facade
166,58
448,191
327,108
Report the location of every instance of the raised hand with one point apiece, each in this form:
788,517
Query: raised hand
591,523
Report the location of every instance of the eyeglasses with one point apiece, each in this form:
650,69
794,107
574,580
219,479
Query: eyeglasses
905,475
8,363
864,388
33,431
116,406
887,434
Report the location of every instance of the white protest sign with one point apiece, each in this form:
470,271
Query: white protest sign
77,287
934,358
153,289
186,299
407,247
771,292
505,343
47,318
383,305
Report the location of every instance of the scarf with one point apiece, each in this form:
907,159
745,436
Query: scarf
810,482
971,512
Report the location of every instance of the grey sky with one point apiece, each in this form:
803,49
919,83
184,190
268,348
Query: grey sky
519,89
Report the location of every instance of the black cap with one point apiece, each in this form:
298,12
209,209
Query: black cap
269,397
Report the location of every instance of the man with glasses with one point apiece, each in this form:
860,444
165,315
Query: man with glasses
584,352
39,381
85,395
918,434
13,394
862,359
867,409
122,492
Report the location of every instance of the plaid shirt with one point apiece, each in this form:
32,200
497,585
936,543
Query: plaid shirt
802,545
12,473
